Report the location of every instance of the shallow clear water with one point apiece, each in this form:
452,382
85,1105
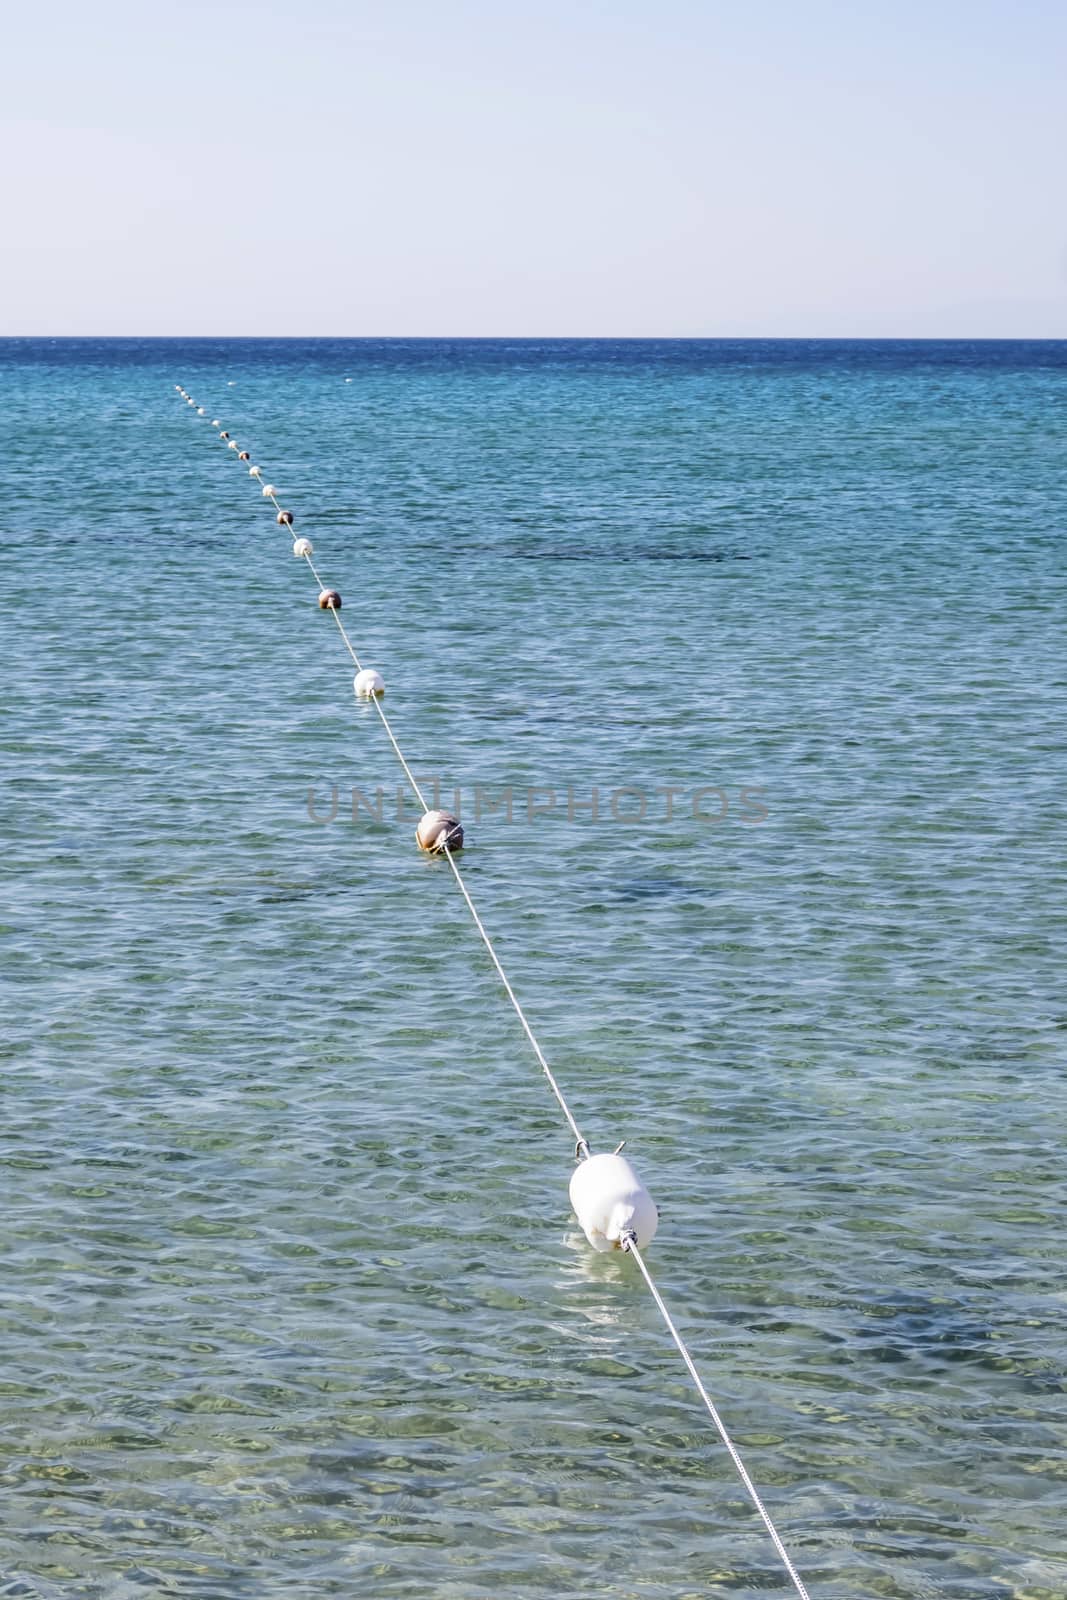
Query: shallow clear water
292,1302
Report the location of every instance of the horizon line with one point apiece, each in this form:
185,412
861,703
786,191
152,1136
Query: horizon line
563,338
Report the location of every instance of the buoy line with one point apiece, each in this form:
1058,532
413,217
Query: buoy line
612,1205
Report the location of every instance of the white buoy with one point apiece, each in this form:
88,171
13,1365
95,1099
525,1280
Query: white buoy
303,547
368,682
437,829
609,1200
268,490
201,411
253,472
234,445
215,423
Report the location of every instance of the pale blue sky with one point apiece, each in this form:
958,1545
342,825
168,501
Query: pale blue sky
763,168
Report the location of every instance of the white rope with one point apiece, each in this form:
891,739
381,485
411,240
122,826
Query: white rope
546,1069
629,1241
399,753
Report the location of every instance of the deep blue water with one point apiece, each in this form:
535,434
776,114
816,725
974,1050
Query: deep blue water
292,1300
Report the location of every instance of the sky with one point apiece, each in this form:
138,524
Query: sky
614,168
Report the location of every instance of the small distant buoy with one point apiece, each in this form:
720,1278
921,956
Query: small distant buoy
244,455
189,400
610,1200
215,423
348,380
232,445
368,682
253,472
200,411
223,434
329,600
269,489
437,829
286,517
303,547
179,388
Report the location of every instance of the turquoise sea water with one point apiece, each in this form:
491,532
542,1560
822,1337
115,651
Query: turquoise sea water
292,1302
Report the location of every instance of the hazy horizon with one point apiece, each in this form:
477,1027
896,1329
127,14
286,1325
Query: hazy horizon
547,338
543,338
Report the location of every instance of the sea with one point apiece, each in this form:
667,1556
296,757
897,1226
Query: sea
745,665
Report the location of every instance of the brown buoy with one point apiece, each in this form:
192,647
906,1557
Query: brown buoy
285,517
223,434
438,829
244,456
329,600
